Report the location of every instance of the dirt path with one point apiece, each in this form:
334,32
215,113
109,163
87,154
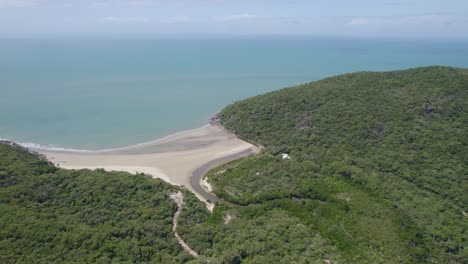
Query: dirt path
179,199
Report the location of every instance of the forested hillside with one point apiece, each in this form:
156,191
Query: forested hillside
378,162
50,215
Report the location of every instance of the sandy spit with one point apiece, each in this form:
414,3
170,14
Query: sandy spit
172,159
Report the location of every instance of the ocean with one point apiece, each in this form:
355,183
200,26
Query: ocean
107,92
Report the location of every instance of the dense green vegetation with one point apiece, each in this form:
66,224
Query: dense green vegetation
50,215
378,174
254,234
378,168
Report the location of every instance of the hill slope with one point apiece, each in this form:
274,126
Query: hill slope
50,215
379,160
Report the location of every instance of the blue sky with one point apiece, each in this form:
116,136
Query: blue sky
357,18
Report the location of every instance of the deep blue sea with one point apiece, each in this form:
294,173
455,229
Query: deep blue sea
105,92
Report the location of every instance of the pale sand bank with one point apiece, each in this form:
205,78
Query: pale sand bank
172,159
155,172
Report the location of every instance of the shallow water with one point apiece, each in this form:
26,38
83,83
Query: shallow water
93,93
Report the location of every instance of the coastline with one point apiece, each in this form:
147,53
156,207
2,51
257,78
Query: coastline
175,158
54,148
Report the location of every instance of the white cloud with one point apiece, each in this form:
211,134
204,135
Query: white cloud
424,25
358,21
176,19
100,4
115,19
168,20
237,17
402,21
145,3
135,3
17,3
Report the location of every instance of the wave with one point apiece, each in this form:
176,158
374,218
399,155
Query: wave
35,146
55,148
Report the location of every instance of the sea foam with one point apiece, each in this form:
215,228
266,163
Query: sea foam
35,146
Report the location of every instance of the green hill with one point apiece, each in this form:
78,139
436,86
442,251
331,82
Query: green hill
50,215
378,162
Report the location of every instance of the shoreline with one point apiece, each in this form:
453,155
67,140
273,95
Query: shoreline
176,159
54,148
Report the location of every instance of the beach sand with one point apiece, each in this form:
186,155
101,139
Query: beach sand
173,159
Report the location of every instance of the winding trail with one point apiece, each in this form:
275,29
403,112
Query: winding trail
197,175
181,159
179,200
196,184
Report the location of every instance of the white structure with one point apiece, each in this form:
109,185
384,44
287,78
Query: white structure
286,156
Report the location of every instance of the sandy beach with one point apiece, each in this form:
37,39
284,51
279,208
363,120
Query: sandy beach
174,158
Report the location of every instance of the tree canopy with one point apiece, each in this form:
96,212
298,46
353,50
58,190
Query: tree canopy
378,161
51,215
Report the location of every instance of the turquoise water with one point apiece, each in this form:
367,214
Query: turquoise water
92,93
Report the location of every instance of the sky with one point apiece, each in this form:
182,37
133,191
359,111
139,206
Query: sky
355,18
